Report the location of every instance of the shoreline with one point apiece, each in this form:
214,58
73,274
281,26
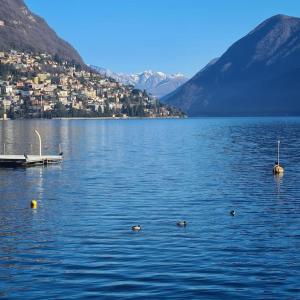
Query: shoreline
98,118
115,118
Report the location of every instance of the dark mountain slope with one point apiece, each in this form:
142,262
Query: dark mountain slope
257,75
22,30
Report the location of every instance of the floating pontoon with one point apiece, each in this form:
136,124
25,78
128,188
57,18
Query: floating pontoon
30,160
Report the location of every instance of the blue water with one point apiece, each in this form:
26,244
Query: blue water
78,244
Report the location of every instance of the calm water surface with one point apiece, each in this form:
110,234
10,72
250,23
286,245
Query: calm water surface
78,244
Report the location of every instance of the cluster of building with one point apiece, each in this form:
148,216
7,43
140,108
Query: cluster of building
41,85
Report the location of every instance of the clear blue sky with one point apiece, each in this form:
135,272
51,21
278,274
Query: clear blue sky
162,35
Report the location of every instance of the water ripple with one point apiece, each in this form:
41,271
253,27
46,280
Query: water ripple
79,243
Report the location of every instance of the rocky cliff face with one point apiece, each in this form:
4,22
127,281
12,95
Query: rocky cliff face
22,30
257,75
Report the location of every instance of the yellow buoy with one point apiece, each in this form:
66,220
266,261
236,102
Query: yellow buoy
33,204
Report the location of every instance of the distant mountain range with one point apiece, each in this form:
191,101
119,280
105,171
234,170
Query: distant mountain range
22,30
158,84
257,75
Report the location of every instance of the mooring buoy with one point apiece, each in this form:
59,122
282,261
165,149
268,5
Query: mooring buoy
278,169
33,204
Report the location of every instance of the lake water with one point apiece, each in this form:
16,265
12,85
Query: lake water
78,244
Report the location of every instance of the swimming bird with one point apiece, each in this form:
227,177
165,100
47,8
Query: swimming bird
232,213
136,227
181,223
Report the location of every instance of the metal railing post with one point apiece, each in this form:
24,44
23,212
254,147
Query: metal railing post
40,140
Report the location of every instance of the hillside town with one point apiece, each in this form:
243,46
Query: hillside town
44,86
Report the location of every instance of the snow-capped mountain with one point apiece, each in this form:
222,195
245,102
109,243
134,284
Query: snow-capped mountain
156,83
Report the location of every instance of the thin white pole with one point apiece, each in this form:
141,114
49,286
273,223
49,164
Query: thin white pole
4,149
40,140
278,145
41,106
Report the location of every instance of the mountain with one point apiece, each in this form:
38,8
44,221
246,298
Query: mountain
22,30
257,75
158,84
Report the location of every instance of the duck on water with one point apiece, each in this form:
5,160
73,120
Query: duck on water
136,228
181,223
